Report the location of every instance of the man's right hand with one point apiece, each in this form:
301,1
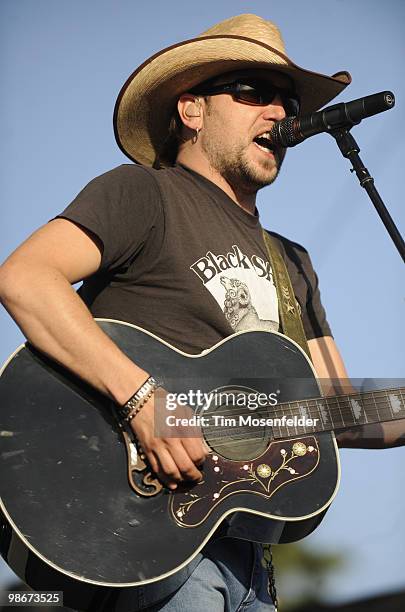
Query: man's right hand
176,457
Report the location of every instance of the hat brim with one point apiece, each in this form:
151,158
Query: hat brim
147,100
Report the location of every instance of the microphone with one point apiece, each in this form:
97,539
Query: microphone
292,130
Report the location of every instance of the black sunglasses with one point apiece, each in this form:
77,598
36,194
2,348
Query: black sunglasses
258,93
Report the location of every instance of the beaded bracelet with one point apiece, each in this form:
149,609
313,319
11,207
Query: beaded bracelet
131,408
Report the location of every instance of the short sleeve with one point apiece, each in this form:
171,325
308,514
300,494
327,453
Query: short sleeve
120,208
306,287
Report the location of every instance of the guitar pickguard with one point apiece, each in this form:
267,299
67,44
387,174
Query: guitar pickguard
282,463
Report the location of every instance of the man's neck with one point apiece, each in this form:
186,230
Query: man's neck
246,201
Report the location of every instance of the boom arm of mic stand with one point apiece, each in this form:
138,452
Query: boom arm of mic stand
350,149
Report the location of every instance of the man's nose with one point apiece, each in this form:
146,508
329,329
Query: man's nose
275,111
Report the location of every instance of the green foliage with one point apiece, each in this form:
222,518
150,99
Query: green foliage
301,573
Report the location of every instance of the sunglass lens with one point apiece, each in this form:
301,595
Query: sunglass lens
250,94
255,93
265,93
291,106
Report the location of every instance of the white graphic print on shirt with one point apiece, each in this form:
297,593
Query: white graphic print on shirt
243,287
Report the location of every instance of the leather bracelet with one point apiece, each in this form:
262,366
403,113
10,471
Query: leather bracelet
137,400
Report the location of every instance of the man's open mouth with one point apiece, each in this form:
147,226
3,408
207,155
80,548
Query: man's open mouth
263,141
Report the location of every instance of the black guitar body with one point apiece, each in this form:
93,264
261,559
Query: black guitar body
70,519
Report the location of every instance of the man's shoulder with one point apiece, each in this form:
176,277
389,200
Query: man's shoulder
288,247
127,172
137,176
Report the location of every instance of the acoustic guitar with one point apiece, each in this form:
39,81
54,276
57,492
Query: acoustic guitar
82,512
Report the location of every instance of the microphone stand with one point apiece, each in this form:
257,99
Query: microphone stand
350,149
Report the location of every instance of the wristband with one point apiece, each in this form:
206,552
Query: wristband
131,408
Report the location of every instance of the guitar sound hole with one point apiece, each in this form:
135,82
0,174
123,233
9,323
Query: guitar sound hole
233,430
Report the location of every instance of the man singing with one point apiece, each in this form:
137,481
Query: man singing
173,244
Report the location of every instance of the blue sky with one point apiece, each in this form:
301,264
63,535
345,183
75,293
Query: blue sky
63,64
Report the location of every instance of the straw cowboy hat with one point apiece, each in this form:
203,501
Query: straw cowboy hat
148,99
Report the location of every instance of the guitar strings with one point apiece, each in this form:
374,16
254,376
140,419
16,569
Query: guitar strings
313,406
242,433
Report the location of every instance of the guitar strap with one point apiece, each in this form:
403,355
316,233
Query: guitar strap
288,306
291,323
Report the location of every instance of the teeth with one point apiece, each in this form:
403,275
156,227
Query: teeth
263,148
264,142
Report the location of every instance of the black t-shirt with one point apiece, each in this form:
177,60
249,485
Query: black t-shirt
182,260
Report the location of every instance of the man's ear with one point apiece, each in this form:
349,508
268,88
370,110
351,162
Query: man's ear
190,110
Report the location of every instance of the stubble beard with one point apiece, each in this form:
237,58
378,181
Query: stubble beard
237,169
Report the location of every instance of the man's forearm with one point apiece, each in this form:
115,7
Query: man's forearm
56,321
376,435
